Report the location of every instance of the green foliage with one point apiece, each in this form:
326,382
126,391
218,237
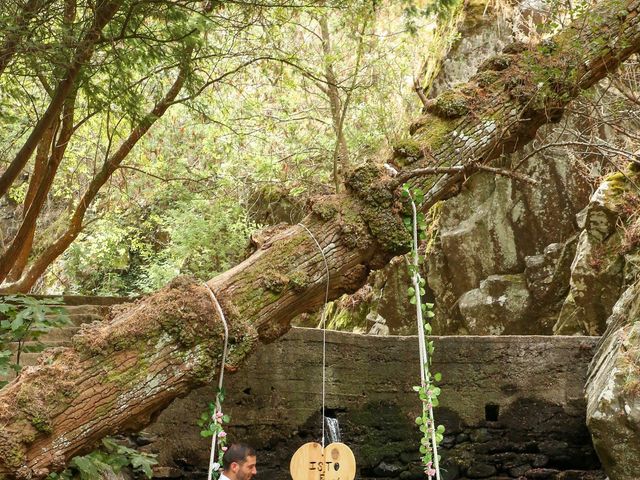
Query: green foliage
415,11
111,457
253,118
201,180
428,392
190,236
212,423
23,320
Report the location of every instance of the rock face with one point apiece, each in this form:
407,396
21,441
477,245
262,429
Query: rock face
502,260
512,407
501,264
597,268
613,390
499,297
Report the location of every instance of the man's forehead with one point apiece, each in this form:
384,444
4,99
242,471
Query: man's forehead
250,459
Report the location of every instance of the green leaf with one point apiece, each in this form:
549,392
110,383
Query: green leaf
437,377
6,307
86,466
17,323
144,463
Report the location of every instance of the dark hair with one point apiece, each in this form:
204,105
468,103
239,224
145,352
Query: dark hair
238,453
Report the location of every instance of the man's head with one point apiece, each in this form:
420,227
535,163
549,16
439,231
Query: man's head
239,462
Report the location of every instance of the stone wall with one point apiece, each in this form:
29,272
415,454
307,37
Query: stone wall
513,407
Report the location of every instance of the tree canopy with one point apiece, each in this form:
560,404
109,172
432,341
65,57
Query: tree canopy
155,104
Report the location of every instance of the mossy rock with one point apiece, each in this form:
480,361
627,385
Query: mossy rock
450,104
484,79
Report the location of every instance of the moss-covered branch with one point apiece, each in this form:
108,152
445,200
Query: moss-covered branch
516,92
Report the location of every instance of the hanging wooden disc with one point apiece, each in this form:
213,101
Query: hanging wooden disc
310,462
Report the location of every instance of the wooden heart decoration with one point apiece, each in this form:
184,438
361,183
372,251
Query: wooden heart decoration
310,462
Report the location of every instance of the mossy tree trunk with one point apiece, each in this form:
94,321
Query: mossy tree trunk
120,373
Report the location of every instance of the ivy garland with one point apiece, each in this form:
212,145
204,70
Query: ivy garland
427,391
212,422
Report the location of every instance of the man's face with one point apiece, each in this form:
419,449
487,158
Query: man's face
245,470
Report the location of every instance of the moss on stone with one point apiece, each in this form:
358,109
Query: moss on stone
450,104
628,358
385,431
484,79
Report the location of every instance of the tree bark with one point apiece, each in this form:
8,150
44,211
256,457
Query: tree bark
513,94
120,373
42,155
18,252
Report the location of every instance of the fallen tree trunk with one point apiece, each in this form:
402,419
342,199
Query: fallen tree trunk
122,372
119,373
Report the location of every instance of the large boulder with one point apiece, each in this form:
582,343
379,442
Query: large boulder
498,227
613,386
597,271
613,391
499,306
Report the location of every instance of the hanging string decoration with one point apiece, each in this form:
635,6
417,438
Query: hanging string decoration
314,461
213,420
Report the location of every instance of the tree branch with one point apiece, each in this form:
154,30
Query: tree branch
105,11
54,250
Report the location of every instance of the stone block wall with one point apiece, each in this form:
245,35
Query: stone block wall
512,406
